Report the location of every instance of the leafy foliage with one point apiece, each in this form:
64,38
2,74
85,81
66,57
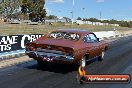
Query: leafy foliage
35,8
9,7
79,18
51,17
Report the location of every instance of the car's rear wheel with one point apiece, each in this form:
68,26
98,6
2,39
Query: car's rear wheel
83,61
101,58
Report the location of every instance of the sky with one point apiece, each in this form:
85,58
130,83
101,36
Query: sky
109,9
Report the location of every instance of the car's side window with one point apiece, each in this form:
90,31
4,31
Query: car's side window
90,38
87,39
93,38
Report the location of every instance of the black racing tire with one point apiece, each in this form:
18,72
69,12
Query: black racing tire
101,57
83,61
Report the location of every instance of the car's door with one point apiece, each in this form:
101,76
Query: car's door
93,45
89,46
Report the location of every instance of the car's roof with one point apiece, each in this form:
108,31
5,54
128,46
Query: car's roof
78,31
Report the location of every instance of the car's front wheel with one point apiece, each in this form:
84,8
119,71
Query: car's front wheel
83,61
101,57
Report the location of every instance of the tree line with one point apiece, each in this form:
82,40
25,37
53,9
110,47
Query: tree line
112,21
35,8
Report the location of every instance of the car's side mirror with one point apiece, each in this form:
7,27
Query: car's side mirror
98,39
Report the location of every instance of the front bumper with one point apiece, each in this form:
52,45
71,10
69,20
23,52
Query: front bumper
49,57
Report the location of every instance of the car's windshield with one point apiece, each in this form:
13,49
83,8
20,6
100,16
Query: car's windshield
64,35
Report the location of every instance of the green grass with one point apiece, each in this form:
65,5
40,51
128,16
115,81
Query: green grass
9,29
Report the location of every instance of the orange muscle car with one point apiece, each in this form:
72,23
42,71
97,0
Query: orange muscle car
67,47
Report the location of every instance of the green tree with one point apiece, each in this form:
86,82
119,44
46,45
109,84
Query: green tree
79,18
35,8
105,21
51,17
93,20
9,7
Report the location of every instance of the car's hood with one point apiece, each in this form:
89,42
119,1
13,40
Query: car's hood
57,42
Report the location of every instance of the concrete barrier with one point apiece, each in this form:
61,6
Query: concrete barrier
105,34
112,34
